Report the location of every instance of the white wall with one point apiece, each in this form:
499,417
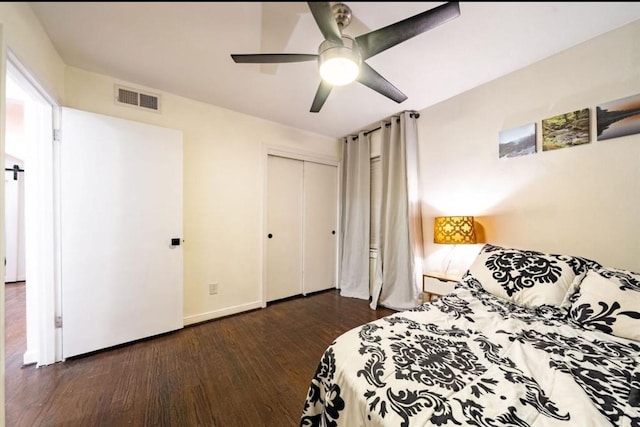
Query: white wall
223,187
582,200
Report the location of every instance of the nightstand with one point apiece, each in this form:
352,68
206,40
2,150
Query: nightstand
436,284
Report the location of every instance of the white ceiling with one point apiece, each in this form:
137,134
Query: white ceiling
184,48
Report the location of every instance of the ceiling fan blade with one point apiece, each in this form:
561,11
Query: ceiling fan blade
321,12
382,39
324,89
272,58
370,78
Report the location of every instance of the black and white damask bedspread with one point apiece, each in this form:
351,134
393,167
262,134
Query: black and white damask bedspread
473,359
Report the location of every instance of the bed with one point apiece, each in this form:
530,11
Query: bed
525,339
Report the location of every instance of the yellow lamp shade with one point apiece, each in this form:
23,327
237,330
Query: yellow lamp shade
454,230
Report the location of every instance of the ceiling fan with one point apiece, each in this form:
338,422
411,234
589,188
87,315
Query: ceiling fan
341,58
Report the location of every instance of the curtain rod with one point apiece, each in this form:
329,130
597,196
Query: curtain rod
411,114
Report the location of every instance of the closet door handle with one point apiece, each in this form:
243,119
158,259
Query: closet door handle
333,231
269,235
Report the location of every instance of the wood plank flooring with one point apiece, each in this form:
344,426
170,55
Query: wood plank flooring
247,370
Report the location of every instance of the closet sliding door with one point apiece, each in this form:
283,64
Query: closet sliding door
284,227
301,225
320,222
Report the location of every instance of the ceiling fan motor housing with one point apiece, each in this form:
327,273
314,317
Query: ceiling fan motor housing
342,13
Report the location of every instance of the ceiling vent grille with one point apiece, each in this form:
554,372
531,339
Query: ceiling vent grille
134,98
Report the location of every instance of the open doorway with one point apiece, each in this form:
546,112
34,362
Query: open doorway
15,271
29,213
14,223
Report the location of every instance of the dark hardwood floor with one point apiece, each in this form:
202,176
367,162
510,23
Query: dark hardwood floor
247,370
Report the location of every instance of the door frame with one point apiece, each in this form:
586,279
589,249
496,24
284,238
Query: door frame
294,154
44,340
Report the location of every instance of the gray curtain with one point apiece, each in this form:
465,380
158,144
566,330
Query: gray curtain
355,217
398,272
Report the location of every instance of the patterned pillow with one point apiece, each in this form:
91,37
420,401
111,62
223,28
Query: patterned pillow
608,299
527,278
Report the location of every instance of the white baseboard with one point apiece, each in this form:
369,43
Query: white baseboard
29,357
210,315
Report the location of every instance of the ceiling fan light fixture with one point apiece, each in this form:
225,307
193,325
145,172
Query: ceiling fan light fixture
339,65
339,71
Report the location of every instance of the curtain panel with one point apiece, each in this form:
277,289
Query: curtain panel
355,217
398,270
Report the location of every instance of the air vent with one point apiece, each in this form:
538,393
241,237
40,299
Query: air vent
148,101
134,98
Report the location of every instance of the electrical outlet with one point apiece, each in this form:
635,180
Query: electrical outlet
213,288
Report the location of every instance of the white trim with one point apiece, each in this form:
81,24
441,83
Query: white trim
215,314
263,227
41,303
25,76
291,153
57,231
30,358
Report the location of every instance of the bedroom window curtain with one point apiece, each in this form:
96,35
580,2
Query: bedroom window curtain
355,219
399,267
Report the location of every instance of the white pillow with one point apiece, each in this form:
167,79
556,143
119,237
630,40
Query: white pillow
609,300
527,278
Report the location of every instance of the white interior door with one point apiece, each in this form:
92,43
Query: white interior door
284,228
320,222
121,204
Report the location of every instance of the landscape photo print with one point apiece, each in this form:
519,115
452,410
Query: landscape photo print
618,118
517,141
566,130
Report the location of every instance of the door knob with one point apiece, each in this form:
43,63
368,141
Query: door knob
269,235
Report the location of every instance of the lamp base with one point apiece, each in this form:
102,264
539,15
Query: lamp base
446,261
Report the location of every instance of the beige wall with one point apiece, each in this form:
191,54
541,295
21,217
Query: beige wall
27,40
224,158
582,200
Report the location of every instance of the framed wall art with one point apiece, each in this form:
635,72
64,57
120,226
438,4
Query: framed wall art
517,141
618,118
566,130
